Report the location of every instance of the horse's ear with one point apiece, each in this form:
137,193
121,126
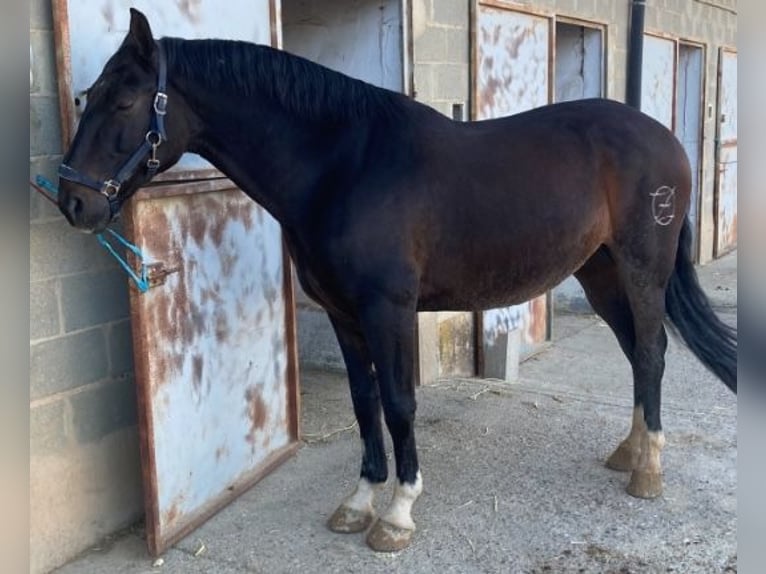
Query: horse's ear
141,33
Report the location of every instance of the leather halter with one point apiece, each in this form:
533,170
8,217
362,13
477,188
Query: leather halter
110,188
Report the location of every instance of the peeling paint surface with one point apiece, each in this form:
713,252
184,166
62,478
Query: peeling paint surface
512,67
726,223
98,27
214,346
657,79
512,76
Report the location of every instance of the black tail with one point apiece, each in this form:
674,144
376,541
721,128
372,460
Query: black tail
712,341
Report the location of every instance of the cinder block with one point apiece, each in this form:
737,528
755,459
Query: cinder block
47,428
317,344
428,348
103,409
44,126
121,349
43,63
43,310
501,359
81,495
55,248
451,12
67,362
452,83
90,299
431,46
39,207
457,46
40,15
569,297
424,84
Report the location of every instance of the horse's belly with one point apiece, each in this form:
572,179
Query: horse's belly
491,282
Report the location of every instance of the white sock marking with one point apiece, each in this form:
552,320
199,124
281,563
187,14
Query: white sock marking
399,512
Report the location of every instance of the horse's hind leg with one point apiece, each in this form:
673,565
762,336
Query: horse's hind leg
356,512
606,294
632,301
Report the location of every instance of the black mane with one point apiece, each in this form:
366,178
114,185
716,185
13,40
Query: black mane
302,87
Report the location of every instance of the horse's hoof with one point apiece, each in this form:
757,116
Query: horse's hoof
624,458
385,537
645,484
348,520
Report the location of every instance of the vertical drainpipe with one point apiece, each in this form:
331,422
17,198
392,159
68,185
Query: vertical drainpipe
635,54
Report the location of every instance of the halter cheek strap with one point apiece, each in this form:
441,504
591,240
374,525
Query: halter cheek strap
110,188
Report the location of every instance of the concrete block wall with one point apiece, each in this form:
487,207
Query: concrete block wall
441,53
84,462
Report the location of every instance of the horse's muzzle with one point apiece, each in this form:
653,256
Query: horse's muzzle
84,208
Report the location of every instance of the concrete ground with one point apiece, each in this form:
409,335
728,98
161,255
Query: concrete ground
513,473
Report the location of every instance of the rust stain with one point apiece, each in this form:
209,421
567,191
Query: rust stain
256,412
197,364
537,319
216,233
189,9
221,452
198,228
228,261
108,13
172,513
221,327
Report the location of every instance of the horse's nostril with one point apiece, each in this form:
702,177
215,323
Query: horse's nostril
74,207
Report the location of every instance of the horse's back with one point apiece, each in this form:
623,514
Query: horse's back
517,204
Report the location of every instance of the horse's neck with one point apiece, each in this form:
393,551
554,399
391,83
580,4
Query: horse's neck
272,156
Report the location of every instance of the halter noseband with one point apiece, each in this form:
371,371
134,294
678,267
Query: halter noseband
110,188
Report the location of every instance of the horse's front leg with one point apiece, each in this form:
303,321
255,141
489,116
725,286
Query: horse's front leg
356,512
388,324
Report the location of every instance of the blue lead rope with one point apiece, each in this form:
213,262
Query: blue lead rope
142,280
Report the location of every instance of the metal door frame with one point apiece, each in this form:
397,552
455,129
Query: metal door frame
702,46
717,252
602,27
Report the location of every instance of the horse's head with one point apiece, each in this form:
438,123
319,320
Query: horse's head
124,136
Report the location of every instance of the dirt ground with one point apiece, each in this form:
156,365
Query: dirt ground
513,474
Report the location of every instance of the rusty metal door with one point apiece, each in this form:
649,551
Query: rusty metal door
726,173
658,79
512,74
214,337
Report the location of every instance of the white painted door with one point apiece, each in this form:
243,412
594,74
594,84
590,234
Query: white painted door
657,79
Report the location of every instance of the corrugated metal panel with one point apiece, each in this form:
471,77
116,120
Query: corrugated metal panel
726,221
657,79
212,351
513,75
92,30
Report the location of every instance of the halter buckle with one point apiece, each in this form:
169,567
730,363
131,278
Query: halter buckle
161,103
110,188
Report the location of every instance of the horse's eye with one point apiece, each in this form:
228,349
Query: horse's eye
125,103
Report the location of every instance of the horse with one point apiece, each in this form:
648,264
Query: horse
389,208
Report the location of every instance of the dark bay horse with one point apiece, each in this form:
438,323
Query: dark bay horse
389,208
